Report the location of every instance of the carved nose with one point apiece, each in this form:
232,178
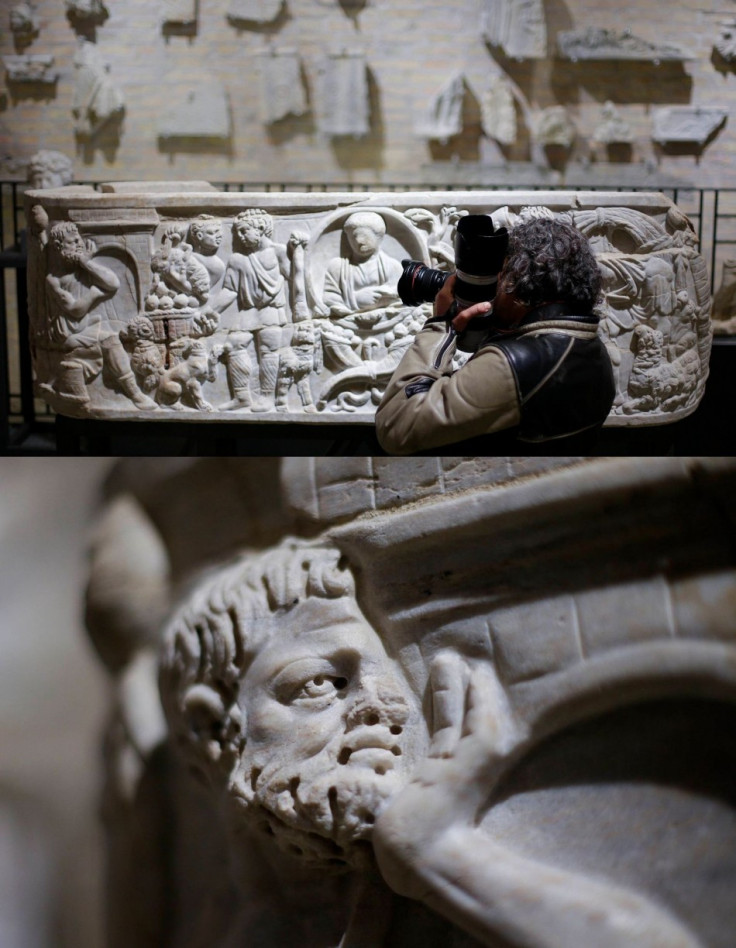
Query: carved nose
379,702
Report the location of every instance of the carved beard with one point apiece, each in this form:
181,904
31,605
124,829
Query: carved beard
319,810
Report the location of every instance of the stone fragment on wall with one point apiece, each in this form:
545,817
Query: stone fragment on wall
180,13
97,99
724,301
49,169
517,27
554,126
198,109
31,68
254,12
690,124
86,12
345,105
725,44
498,111
23,23
282,91
286,306
444,117
595,43
613,128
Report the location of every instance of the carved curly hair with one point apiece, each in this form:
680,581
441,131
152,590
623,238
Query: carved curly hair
549,260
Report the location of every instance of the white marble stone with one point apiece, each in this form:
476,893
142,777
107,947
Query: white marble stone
427,702
31,68
517,27
687,123
146,302
595,43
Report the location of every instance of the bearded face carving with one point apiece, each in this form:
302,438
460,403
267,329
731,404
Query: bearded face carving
330,725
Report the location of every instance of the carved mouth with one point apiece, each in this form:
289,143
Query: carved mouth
375,749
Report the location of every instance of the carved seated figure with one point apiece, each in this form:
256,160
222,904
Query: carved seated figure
360,289
354,806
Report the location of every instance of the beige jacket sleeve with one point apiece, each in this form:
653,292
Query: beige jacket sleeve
426,405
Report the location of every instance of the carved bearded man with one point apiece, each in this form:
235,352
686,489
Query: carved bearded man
351,820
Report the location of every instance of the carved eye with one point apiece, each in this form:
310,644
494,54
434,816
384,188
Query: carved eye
321,686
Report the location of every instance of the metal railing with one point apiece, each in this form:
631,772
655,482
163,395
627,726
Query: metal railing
711,210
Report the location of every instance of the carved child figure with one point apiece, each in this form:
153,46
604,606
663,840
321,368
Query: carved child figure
79,289
205,237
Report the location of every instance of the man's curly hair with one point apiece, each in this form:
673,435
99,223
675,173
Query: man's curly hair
550,261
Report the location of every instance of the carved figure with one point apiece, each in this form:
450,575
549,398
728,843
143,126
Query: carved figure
256,279
205,237
23,23
79,289
239,368
146,360
283,697
183,381
362,284
97,100
49,169
296,364
656,383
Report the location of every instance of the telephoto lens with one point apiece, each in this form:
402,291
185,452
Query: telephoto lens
419,284
480,251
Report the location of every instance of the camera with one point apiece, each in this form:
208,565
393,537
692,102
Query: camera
480,251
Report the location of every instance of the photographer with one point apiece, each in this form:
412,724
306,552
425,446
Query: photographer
540,372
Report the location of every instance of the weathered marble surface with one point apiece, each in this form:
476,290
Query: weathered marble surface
424,702
146,302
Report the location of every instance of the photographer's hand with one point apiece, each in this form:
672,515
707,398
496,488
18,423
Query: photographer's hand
445,299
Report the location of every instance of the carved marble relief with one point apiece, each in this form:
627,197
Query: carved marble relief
724,301
197,109
252,13
49,169
408,752
31,68
595,43
613,128
554,126
345,106
498,111
281,85
689,124
86,13
97,99
517,27
725,44
181,14
23,24
288,306
444,116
